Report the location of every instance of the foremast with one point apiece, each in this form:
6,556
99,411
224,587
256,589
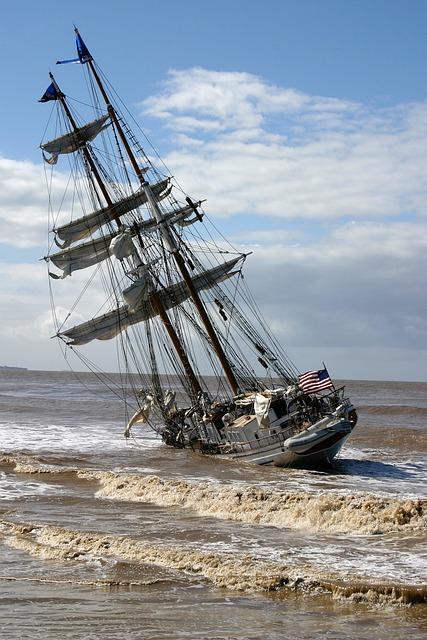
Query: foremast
154,297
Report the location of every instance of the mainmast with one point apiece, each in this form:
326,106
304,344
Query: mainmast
164,228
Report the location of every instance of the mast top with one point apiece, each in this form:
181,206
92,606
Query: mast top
83,52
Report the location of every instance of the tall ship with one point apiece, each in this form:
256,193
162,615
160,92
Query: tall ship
137,268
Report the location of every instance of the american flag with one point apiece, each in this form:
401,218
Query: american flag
314,381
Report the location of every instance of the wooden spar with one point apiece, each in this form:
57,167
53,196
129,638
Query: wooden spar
86,153
156,303
114,118
208,324
177,256
158,306
154,298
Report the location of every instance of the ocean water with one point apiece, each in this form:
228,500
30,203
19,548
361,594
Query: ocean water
102,537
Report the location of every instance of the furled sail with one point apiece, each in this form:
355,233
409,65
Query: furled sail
84,226
94,251
112,323
82,256
70,142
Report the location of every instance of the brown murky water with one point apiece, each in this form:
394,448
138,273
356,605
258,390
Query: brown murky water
100,538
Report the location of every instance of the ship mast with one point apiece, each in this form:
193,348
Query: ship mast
165,231
154,297
87,155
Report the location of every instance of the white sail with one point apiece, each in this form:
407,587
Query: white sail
94,251
112,323
86,225
70,142
138,292
261,408
83,256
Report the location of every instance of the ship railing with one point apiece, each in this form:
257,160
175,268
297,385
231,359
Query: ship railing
335,392
262,441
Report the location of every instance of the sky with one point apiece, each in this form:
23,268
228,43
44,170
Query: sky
302,123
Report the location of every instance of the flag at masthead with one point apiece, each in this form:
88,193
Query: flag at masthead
82,52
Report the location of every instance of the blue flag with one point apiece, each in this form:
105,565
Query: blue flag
82,51
51,93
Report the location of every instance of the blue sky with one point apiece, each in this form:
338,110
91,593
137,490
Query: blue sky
302,122
368,50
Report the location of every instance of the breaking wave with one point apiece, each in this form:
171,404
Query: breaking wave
327,512
241,573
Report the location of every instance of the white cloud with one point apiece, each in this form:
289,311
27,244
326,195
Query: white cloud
229,99
27,323
251,147
24,202
361,285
